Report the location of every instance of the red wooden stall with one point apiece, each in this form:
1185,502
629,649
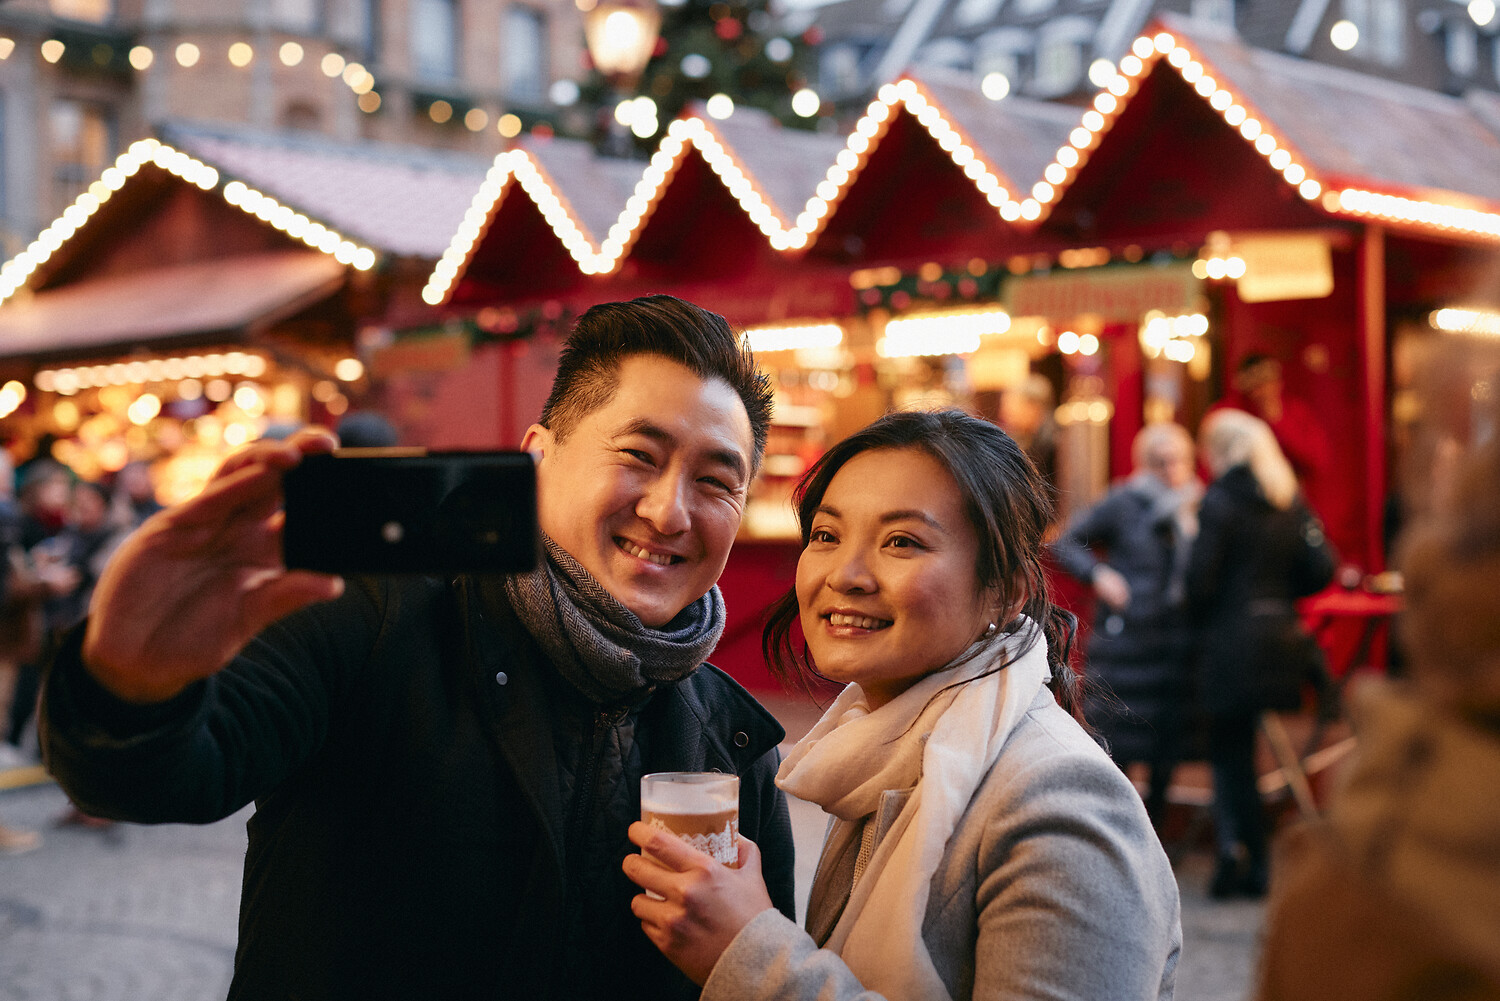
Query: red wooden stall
1285,207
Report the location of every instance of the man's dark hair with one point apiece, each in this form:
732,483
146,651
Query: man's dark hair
588,368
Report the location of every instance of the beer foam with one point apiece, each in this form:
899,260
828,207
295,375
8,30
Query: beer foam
686,797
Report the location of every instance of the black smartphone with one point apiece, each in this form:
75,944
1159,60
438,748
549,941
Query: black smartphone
408,511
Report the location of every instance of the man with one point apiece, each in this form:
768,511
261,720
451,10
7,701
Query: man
444,771
1132,547
1260,389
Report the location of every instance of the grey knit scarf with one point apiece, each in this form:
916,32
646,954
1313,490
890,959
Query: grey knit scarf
1178,510
598,644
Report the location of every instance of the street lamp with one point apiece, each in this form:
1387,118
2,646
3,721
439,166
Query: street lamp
621,37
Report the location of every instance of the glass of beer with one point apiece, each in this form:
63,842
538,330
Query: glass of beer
701,808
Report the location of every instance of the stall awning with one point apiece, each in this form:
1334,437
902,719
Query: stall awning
227,297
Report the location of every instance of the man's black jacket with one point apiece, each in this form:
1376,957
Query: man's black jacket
438,814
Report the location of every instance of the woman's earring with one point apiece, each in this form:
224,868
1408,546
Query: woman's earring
989,630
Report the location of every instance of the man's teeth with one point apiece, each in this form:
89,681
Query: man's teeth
857,621
660,559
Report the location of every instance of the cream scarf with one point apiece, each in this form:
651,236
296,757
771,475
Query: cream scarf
943,744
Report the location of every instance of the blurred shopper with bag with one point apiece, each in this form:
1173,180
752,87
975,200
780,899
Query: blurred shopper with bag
1259,548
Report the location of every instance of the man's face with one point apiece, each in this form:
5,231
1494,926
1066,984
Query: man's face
1172,463
647,492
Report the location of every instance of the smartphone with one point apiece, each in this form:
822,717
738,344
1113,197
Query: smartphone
409,511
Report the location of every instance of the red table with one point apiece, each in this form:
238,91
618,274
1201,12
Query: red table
1371,612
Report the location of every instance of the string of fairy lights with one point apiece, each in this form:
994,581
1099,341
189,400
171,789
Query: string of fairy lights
15,273
1022,208
638,114
239,54
785,232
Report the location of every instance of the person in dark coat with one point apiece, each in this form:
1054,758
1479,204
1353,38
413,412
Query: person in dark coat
1259,548
445,769
1132,548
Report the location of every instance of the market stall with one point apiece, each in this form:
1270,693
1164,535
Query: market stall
1213,205
225,285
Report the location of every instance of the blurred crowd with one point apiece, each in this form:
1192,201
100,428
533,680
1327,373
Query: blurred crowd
1196,632
56,532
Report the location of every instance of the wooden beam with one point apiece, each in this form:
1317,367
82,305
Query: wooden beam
1372,325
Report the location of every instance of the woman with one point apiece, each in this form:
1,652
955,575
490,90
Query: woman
1132,548
1258,549
982,844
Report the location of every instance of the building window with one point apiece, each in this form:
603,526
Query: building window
1000,51
434,40
1357,13
1463,50
301,116
1059,55
83,145
1388,30
1059,64
948,53
5,220
1030,7
1213,12
296,16
972,13
838,69
371,32
93,11
523,51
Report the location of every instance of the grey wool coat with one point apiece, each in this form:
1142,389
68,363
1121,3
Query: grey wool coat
1052,886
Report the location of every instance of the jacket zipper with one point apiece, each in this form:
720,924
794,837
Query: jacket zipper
583,802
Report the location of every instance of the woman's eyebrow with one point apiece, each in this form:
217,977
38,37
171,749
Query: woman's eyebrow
911,514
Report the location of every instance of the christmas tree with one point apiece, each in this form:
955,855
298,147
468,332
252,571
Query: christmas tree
710,50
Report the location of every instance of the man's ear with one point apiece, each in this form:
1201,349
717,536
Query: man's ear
536,441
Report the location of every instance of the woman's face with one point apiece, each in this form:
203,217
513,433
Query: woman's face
887,586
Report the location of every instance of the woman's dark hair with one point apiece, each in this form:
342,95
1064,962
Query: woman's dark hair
1006,501
588,369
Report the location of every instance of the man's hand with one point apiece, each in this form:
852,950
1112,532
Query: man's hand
1111,587
196,582
705,904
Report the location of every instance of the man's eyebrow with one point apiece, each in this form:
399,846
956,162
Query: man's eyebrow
891,516
723,456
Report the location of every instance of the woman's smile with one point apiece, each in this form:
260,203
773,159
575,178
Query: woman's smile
888,582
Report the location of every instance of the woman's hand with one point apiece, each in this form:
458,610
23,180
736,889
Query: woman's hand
196,582
705,904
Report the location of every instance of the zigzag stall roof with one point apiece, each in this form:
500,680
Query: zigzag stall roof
1350,145
1017,135
543,206
904,184
554,211
401,200
785,164
1359,129
943,175
161,219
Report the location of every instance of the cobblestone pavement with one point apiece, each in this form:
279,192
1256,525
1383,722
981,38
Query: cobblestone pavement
127,913
136,913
